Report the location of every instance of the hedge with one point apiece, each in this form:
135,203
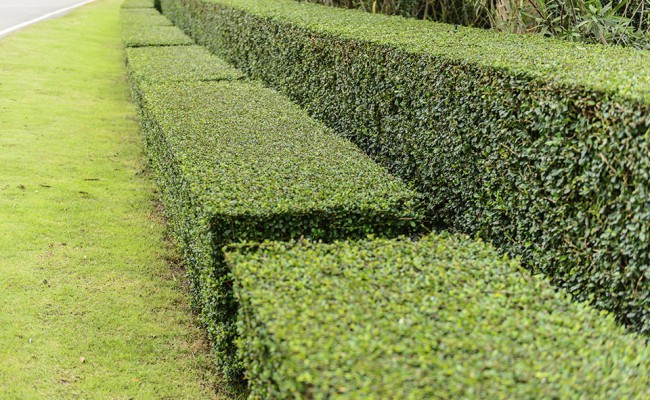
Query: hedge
444,318
177,64
142,18
138,4
147,27
236,161
537,145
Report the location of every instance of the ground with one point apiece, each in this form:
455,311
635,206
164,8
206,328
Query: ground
90,307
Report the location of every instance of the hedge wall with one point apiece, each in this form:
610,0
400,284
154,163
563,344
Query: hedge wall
444,318
236,161
539,146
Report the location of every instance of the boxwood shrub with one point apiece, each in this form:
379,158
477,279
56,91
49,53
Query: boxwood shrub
147,27
444,318
236,161
539,146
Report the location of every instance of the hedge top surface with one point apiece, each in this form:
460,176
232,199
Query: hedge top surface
138,4
445,317
147,27
250,151
178,63
138,36
143,18
621,71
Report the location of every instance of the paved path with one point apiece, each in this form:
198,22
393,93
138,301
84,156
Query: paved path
16,14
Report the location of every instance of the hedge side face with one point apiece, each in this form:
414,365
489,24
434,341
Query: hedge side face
538,146
326,321
237,161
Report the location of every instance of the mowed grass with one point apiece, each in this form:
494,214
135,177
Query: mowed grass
89,306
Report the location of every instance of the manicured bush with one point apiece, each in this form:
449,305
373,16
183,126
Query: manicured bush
147,27
177,64
236,161
539,146
143,18
443,318
138,4
154,36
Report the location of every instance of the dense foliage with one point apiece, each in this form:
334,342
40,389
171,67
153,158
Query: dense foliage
236,161
146,27
443,318
131,18
177,64
138,4
536,145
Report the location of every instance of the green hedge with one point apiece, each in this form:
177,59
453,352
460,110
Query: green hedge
147,27
143,18
539,146
444,318
236,161
138,4
177,64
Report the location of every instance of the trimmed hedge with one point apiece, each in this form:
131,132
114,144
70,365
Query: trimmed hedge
138,4
443,318
539,146
177,64
142,18
236,161
147,27
137,23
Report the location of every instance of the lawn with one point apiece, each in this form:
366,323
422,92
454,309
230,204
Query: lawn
90,307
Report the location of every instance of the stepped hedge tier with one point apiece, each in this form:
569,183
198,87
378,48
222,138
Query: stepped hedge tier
444,318
138,4
143,18
146,27
537,145
177,64
236,161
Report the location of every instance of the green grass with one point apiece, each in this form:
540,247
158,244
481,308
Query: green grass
89,305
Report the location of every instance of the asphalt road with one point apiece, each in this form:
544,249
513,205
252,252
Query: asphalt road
15,14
